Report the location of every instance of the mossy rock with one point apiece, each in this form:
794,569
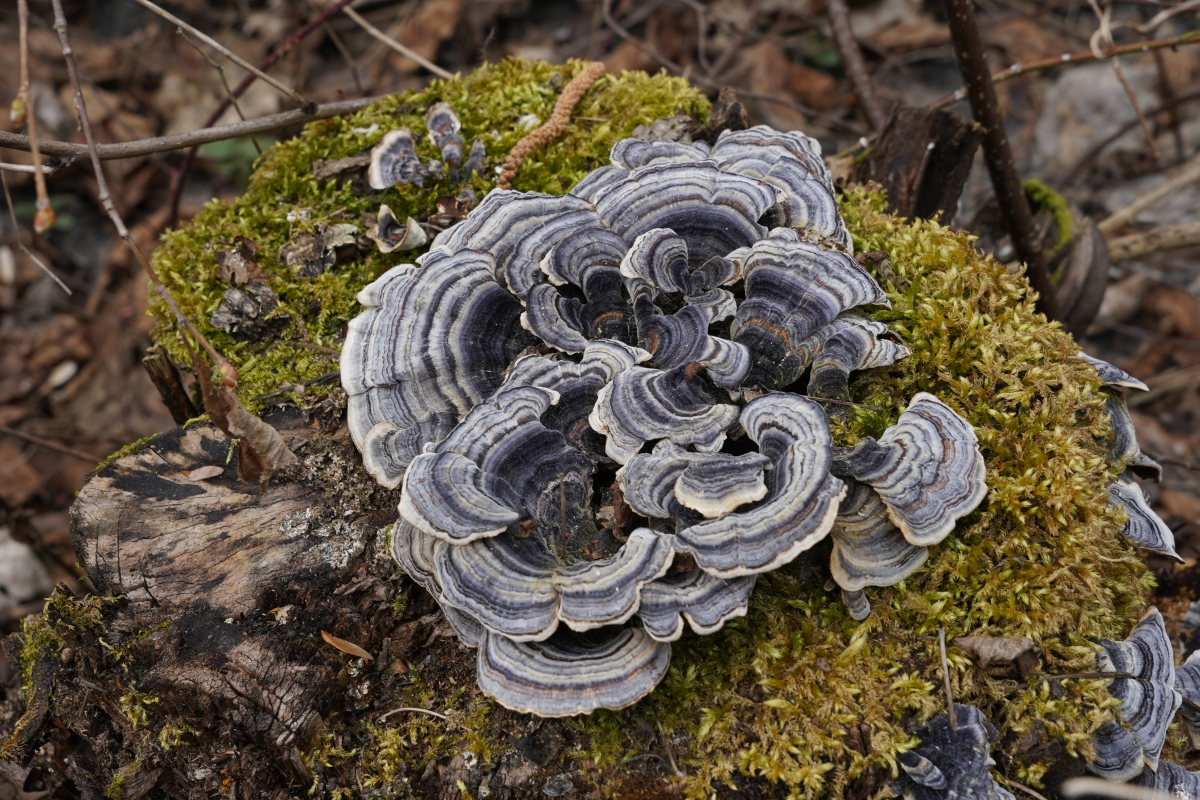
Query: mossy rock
796,693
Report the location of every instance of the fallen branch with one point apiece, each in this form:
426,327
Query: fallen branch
856,67
361,21
560,118
305,103
1010,195
1016,70
1186,174
179,141
1143,243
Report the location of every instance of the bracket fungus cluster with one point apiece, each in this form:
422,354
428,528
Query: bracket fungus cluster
1143,527
592,406
951,762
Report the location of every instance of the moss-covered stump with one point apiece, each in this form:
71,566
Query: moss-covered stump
794,700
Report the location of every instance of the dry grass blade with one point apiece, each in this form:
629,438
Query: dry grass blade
950,713
1081,787
382,717
304,102
1185,175
350,648
392,43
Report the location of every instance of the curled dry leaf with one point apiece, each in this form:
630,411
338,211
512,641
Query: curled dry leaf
202,473
262,450
1016,651
346,647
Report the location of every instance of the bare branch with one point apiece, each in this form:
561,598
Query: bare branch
1010,195
392,43
856,67
60,25
304,102
1191,37
1143,243
43,218
180,141
224,82
17,231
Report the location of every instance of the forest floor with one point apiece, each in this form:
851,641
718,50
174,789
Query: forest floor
72,386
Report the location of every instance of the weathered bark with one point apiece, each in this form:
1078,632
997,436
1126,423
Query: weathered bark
221,590
922,159
167,380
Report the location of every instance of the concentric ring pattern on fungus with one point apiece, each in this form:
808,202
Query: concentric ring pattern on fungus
597,409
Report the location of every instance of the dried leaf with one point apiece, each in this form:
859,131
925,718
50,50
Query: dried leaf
1016,651
203,473
262,450
346,647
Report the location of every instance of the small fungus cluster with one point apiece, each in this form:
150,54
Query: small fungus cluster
595,406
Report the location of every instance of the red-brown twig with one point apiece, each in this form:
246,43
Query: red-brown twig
43,218
239,90
1010,196
1016,70
856,67
60,25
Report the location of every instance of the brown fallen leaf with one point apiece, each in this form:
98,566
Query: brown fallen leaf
1016,651
202,473
349,648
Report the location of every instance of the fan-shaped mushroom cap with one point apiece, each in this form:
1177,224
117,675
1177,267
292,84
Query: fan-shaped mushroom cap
794,288
1170,779
417,351
1148,700
518,229
682,338
569,674
577,386
792,163
927,468
1187,683
1112,376
394,160
1124,445
443,126
705,602
644,404
868,550
390,235
554,318
415,554
519,588
802,497
951,763
858,604
714,211
1144,528
709,483
659,257
633,153
447,496
849,343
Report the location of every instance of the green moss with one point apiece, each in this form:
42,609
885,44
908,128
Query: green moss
1045,197
116,787
127,450
44,635
489,102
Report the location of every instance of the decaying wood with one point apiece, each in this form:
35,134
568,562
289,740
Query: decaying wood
167,380
922,159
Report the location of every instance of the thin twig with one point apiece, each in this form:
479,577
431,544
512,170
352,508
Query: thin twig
392,43
316,347
852,59
1098,148
1143,243
1025,789
382,717
1082,787
1010,195
1185,175
305,103
663,61
238,91
55,446
346,54
224,82
1016,70
841,402
950,713
60,25
43,218
1103,34
180,141
17,231
46,168
667,746
739,38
